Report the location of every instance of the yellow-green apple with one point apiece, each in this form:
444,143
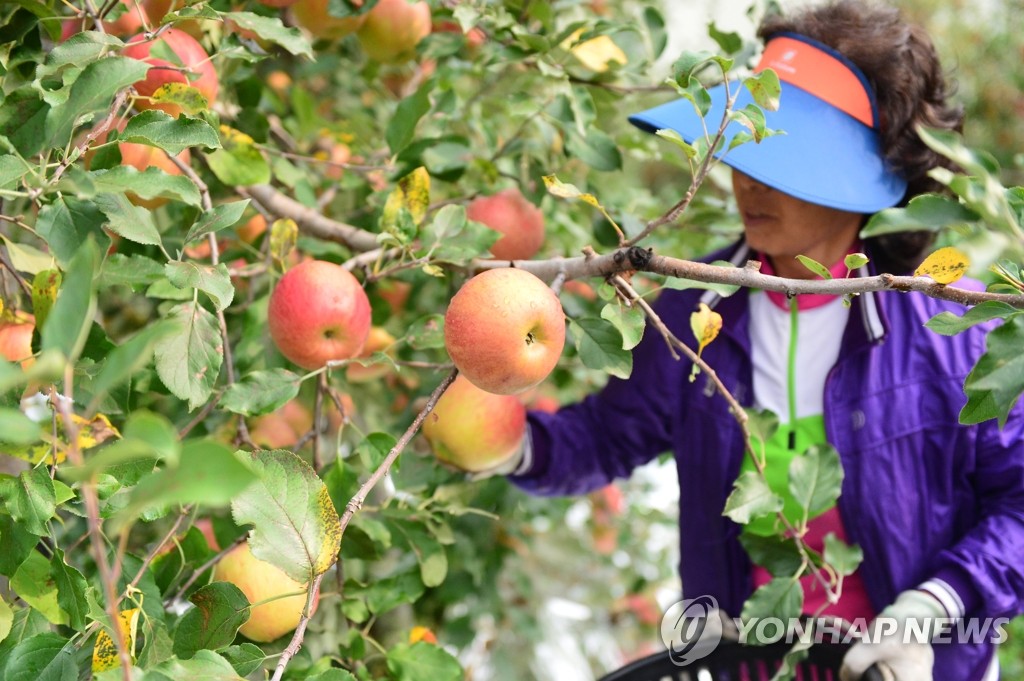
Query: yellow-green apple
259,580
379,340
393,29
520,223
193,68
504,330
16,339
312,15
318,313
475,430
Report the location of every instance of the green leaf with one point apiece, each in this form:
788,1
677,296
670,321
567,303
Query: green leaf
152,183
333,675
45,657
423,662
815,479
27,258
774,553
854,261
31,499
629,320
427,332
6,619
188,361
66,223
245,658
128,358
213,280
221,608
239,162
948,324
402,126
261,392
23,121
997,380
724,290
814,266
783,597
92,91
206,665
17,542
81,48
389,593
751,498
844,558
34,584
17,429
596,149
687,65
173,135
12,169
677,139
374,449
429,552
599,345
131,270
220,217
128,220
208,473
655,24
272,29
71,587
765,89
728,41
295,525
928,212
762,424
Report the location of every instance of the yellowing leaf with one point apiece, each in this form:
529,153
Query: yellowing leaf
90,433
597,53
705,324
234,138
945,265
418,633
284,234
412,194
44,294
187,97
564,190
104,654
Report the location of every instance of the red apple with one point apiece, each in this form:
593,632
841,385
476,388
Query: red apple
505,330
259,580
200,72
392,30
318,313
473,429
16,339
520,222
312,15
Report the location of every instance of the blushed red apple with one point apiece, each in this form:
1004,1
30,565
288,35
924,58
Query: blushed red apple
260,580
318,313
393,29
520,223
191,55
505,330
16,339
473,429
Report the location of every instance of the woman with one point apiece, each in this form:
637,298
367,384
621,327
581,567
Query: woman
937,507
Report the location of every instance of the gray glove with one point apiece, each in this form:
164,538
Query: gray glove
888,644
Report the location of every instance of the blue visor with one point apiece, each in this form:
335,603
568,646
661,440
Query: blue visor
825,156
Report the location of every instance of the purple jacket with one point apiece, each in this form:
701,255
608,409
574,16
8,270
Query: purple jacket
923,496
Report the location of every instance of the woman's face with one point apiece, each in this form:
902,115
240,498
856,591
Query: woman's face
783,227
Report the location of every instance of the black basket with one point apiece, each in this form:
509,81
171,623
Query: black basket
732,661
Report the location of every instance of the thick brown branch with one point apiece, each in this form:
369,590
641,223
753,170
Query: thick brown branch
309,220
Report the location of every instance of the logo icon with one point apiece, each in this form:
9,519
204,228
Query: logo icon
691,629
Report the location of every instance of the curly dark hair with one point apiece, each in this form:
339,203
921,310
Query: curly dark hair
911,89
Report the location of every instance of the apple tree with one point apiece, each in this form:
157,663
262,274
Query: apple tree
231,233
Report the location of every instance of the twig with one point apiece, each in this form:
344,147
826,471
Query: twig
300,631
9,266
95,133
309,220
738,412
352,508
92,512
318,418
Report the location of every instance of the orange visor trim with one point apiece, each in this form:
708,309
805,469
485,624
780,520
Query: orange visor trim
819,73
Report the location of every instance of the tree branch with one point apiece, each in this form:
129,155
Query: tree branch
309,220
